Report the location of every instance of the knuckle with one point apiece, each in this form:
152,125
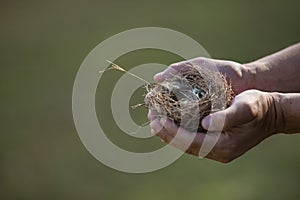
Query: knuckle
201,58
249,107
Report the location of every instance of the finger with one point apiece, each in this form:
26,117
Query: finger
181,138
158,130
164,136
151,115
237,114
198,144
171,71
155,126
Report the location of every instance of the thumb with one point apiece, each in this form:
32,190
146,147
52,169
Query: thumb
231,117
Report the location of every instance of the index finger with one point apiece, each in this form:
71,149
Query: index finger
180,138
172,70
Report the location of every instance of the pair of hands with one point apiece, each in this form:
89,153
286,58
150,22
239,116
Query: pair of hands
252,116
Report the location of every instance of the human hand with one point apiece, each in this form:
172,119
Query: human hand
252,117
239,76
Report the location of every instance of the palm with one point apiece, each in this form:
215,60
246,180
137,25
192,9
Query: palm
248,121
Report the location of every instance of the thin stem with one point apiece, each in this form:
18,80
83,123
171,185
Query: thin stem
117,67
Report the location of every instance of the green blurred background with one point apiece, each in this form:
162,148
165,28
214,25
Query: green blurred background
42,46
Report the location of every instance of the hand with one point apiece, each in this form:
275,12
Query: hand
238,75
252,117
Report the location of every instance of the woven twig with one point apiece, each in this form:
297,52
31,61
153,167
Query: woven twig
189,96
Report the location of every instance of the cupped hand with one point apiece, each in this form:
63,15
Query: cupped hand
239,76
252,117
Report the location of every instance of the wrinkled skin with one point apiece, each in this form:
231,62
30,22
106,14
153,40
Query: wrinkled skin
252,116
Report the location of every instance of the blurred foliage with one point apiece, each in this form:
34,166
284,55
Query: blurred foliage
42,46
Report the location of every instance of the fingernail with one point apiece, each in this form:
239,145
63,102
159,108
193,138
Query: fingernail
150,115
157,76
174,65
152,132
155,126
163,121
206,122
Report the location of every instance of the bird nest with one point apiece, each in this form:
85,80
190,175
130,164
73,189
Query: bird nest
189,96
